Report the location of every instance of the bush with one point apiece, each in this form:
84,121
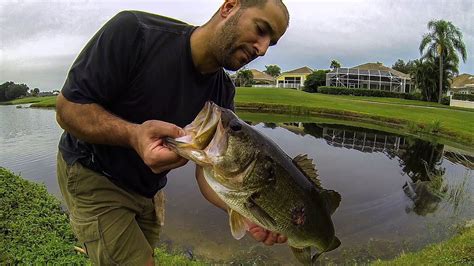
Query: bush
445,100
369,93
464,97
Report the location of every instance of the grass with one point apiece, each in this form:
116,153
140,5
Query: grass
459,251
425,118
47,101
33,227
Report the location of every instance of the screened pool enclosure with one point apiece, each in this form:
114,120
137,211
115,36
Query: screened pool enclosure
369,79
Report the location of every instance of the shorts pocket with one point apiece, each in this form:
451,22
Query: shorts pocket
86,230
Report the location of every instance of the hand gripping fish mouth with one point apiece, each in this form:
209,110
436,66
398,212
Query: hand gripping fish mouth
205,136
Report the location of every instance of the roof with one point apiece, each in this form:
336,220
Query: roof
302,70
259,75
462,81
381,67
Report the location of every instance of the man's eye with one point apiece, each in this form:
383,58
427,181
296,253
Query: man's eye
260,30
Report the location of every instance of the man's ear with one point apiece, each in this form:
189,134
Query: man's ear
228,7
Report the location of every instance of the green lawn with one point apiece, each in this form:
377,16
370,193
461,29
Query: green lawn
444,121
47,101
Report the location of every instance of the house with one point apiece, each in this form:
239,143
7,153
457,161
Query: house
262,79
294,78
373,76
462,84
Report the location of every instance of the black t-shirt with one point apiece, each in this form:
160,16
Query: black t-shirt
139,67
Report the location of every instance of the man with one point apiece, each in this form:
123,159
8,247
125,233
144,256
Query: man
139,79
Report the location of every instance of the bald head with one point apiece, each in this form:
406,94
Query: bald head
261,4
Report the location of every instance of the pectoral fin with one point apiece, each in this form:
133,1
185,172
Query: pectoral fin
303,255
260,214
237,223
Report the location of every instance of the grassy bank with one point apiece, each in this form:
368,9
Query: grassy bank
425,118
35,230
458,251
47,101
33,227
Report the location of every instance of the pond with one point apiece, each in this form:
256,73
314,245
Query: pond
398,193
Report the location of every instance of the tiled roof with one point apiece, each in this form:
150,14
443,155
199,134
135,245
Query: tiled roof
463,80
302,70
259,75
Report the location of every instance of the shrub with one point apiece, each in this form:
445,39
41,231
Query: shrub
445,100
369,93
464,97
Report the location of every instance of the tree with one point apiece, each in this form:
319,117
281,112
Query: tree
244,78
273,70
335,64
15,91
314,80
402,67
424,78
443,41
3,89
10,91
35,92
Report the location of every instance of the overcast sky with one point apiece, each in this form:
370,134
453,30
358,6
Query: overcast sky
40,39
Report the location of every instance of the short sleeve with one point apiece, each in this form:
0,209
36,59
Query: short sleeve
103,69
229,93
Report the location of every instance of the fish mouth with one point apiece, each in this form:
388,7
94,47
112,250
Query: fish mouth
204,138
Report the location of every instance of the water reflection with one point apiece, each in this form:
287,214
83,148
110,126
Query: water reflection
420,160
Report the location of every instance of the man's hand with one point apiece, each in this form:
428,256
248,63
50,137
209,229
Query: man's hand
268,238
148,143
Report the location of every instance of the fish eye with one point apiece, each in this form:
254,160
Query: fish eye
235,125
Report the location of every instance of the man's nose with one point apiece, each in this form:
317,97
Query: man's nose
262,46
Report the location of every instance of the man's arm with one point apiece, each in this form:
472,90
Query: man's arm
93,124
260,234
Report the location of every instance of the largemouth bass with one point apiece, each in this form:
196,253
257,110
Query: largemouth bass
260,182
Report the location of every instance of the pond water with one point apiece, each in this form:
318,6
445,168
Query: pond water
398,193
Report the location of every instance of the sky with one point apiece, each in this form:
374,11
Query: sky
39,40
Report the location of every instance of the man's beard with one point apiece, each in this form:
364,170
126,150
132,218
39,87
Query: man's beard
225,44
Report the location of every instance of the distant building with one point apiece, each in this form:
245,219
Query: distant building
373,76
262,79
294,78
462,84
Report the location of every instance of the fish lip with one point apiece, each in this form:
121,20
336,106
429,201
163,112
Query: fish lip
201,131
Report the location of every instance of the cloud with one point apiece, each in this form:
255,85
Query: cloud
40,39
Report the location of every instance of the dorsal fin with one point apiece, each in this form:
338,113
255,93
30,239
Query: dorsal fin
308,168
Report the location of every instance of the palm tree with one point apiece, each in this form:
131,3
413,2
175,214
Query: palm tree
335,64
443,40
422,74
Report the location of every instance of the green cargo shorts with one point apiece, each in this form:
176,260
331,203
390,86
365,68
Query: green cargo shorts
115,226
